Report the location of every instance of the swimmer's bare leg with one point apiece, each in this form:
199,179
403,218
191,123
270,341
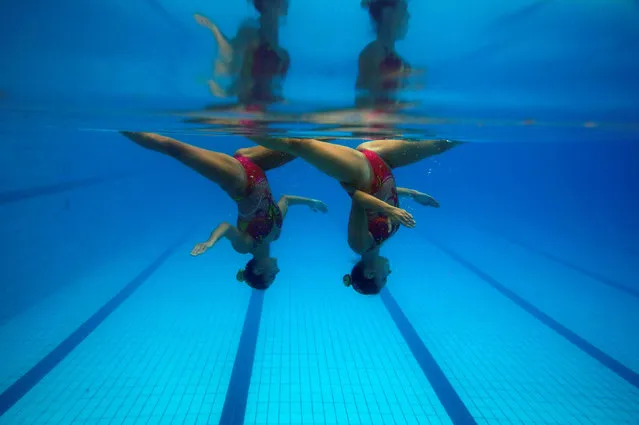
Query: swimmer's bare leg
339,162
220,168
266,159
399,153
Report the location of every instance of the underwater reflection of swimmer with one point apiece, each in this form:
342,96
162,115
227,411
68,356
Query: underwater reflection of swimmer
366,173
381,70
242,176
254,59
382,76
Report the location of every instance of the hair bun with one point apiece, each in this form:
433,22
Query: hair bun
347,280
240,275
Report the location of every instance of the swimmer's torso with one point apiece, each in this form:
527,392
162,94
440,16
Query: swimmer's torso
259,216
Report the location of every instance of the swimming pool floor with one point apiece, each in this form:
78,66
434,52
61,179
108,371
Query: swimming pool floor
504,330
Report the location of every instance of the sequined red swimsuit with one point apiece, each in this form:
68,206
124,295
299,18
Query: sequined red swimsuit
258,214
382,187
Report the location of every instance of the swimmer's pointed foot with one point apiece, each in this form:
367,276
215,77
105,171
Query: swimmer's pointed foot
444,145
453,143
151,141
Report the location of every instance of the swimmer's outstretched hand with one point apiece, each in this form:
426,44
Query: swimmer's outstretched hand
426,200
318,206
201,248
223,42
203,20
401,216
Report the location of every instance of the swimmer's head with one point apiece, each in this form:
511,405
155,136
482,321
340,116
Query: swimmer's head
389,17
276,7
369,277
259,274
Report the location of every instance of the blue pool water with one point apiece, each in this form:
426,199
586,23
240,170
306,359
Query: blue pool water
516,302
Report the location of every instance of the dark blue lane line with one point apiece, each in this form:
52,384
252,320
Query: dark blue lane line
34,192
457,411
615,366
595,276
234,409
30,379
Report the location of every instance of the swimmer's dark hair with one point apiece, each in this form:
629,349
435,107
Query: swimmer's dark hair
360,282
376,8
255,281
262,5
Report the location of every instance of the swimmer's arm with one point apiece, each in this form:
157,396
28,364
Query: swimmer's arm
403,191
371,203
419,197
359,238
395,214
222,40
290,200
242,243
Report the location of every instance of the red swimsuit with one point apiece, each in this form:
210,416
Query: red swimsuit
258,213
382,187
266,68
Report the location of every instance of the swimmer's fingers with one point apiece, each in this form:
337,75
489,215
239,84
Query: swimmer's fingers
200,249
320,206
202,20
426,200
403,217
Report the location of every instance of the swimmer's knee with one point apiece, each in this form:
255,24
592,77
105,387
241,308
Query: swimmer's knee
378,146
242,152
369,146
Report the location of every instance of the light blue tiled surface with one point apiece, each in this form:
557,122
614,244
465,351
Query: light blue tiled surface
505,364
602,315
165,356
328,356
325,355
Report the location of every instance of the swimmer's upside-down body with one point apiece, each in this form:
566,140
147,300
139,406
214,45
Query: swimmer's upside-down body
366,173
242,176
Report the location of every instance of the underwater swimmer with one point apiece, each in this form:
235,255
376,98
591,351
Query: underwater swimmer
382,72
366,173
242,176
383,75
253,59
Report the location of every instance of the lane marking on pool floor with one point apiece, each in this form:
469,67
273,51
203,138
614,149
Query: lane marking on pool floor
453,404
234,409
606,360
34,192
594,276
23,385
